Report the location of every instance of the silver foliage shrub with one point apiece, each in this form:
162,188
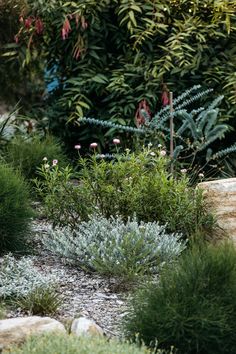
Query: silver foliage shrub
111,246
19,277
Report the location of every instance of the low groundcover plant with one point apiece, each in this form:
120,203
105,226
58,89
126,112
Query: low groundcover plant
19,278
69,344
114,247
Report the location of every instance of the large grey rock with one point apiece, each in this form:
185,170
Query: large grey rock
85,327
15,330
221,198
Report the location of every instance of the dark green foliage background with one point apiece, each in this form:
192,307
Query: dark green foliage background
128,50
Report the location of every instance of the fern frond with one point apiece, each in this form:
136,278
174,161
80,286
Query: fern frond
224,152
177,151
216,133
191,124
108,124
211,117
216,102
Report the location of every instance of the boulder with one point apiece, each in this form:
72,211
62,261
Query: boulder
85,327
15,330
220,195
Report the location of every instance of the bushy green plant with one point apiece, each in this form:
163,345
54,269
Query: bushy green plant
40,301
69,344
26,154
64,202
116,248
19,278
15,211
142,184
193,306
126,185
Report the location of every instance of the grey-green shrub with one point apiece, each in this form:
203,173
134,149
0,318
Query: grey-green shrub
192,307
19,277
15,211
69,344
26,154
112,246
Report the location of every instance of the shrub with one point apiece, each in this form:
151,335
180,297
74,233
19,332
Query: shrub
116,248
193,306
15,211
40,301
69,344
142,184
19,278
64,203
128,184
27,154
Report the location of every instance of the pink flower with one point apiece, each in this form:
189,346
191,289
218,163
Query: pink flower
116,141
163,153
54,162
66,29
39,26
93,145
77,147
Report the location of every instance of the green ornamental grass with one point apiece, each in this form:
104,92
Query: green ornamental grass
192,307
26,155
15,211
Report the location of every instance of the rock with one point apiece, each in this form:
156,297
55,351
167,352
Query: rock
15,330
221,198
84,326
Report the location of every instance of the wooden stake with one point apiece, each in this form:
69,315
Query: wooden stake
171,131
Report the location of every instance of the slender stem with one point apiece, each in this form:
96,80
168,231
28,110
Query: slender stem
171,131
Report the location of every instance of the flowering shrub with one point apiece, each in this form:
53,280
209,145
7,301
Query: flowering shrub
63,202
111,246
123,185
19,277
141,184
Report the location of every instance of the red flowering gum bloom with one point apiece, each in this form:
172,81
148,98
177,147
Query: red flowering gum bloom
39,26
28,22
165,98
139,118
66,28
